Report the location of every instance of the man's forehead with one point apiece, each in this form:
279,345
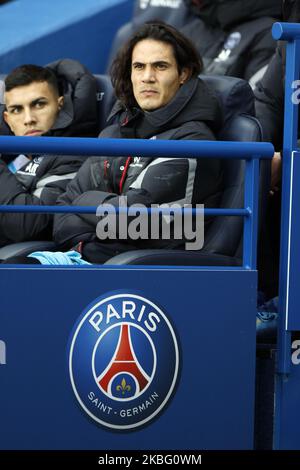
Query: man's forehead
27,93
151,50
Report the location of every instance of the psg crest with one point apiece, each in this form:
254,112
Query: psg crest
123,360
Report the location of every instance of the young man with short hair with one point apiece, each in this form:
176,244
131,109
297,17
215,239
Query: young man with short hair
58,100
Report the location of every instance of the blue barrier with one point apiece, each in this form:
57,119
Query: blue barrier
143,147
288,375
286,31
211,311
206,390
212,404
92,210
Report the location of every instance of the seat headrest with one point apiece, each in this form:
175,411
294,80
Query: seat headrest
4,129
2,88
105,98
235,95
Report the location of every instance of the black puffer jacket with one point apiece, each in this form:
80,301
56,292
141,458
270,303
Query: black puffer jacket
234,37
192,114
42,179
269,100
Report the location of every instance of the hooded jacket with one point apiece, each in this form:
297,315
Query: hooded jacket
40,180
234,37
269,100
193,113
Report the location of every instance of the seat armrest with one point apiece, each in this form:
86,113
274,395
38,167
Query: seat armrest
172,258
25,248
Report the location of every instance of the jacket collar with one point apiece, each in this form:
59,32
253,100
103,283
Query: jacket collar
161,116
194,101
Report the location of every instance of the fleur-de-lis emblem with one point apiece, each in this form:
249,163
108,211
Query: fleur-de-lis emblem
123,387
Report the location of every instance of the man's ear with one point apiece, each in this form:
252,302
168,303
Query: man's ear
184,75
60,102
5,117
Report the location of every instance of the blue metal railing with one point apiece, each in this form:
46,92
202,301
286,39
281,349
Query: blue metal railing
93,209
289,32
145,148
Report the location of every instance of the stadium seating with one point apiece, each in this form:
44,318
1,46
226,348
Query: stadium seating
223,239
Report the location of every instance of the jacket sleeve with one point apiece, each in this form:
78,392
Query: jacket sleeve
17,227
161,181
269,101
164,180
260,53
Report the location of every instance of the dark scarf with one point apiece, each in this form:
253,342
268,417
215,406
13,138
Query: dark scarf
194,101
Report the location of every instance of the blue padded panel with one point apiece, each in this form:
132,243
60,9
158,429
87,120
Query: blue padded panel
42,31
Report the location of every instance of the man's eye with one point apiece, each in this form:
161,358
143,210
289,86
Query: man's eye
40,104
15,110
138,66
161,66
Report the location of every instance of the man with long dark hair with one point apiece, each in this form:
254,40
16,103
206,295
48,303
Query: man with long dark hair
160,96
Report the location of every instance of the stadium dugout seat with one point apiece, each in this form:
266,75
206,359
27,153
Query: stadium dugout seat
223,238
105,98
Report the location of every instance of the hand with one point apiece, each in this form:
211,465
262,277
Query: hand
275,173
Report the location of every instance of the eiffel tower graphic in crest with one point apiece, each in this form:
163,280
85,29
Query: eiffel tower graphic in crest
124,360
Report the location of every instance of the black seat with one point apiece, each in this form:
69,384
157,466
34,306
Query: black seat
105,98
223,239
